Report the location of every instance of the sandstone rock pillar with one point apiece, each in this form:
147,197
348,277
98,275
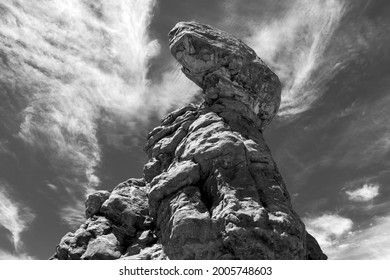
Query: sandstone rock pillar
211,189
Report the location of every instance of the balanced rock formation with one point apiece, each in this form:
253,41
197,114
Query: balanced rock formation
211,189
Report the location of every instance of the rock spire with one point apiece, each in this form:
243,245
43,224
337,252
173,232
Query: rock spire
211,189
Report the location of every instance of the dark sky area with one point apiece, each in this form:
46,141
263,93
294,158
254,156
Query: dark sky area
82,82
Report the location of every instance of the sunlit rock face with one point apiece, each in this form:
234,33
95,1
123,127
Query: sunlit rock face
226,68
211,189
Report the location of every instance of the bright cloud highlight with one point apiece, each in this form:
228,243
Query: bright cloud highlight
368,244
83,66
328,228
365,193
294,46
14,217
307,43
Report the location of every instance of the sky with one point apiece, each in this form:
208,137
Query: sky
82,82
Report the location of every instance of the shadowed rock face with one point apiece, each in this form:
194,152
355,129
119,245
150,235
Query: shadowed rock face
211,189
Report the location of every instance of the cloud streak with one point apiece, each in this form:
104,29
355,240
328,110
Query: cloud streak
302,42
14,217
294,45
366,139
84,66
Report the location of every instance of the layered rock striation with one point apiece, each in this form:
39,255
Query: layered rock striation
211,189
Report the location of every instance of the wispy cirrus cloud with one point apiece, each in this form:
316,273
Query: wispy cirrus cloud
84,67
307,43
3,147
73,214
354,137
366,138
173,90
14,217
293,41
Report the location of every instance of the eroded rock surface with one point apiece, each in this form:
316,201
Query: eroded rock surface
211,189
226,68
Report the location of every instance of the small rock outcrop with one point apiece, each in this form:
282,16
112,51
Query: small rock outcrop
211,189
